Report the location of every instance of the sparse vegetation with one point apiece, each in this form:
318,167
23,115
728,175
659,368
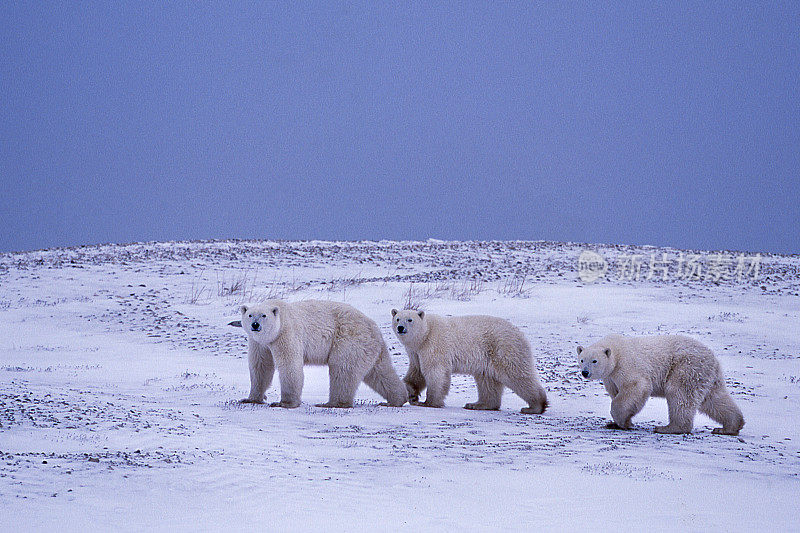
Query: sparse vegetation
236,286
197,292
726,316
514,286
415,297
466,289
344,282
274,290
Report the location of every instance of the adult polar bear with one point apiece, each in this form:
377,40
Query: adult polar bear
290,335
678,368
489,348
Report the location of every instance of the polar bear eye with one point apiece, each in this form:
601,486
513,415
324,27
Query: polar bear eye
594,361
250,315
263,316
410,320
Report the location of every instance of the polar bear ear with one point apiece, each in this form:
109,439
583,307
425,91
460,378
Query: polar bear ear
421,314
243,309
394,312
607,351
580,349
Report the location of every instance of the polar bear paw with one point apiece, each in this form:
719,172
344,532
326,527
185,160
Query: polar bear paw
671,430
285,405
478,406
723,431
335,405
250,400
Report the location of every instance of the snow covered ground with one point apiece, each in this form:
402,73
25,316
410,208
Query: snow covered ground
120,381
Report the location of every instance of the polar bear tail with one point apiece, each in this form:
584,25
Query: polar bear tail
383,379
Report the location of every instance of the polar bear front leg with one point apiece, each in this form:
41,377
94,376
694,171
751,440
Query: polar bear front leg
611,388
290,370
414,380
438,380
629,401
262,369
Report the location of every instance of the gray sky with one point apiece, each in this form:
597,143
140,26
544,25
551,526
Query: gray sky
669,125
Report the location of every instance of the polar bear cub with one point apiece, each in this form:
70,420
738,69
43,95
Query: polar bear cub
313,332
677,368
491,349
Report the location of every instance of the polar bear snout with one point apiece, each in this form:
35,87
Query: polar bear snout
401,329
585,373
255,326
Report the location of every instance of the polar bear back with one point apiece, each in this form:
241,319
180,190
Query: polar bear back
321,325
658,357
470,342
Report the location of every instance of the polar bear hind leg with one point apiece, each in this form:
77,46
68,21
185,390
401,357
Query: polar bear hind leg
383,379
490,394
529,389
682,406
343,387
720,407
348,363
520,376
681,417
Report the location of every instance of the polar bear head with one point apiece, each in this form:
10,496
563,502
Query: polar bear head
410,326
596,361
262,322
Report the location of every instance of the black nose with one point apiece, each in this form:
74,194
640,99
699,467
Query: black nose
256,326
585,373
401,329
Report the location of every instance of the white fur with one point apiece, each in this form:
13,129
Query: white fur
290,335
677,368
491,349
